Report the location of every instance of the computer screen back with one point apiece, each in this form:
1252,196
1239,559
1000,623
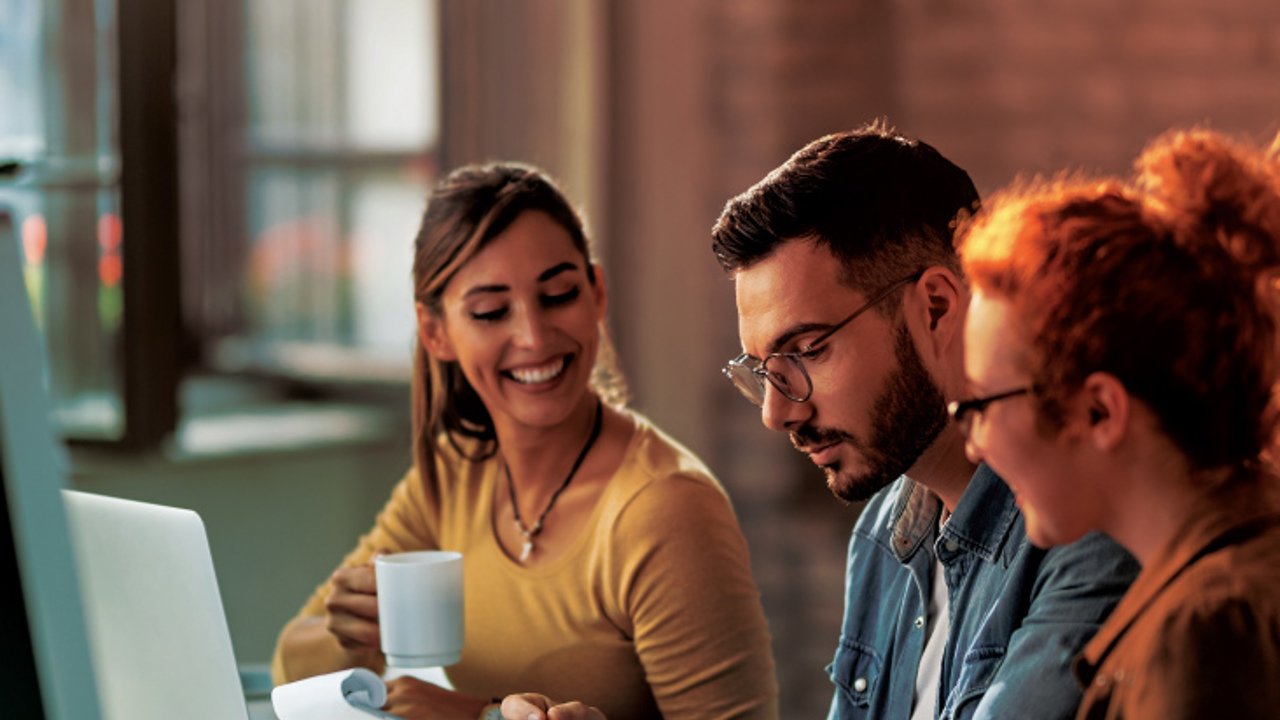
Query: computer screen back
48,673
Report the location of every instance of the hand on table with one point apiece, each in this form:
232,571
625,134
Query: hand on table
531,706
413,699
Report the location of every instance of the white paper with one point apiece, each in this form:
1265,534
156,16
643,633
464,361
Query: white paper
355,694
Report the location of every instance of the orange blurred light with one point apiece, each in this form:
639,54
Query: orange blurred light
35,237
110,268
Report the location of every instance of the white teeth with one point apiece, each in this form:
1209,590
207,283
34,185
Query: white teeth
533,376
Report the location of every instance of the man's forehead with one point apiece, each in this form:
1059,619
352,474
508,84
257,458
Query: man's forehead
793,271
794,286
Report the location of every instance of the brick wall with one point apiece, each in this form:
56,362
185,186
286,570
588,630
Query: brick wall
1012,87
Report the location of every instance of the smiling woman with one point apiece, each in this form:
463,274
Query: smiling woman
1144,318
603,562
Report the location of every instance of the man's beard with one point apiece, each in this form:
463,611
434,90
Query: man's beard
907,416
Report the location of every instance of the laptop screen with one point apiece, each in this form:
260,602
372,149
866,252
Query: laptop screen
157,631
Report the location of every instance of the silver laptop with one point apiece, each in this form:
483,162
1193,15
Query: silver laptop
157,633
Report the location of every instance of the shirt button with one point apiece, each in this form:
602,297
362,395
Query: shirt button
951,546
920,621
860,684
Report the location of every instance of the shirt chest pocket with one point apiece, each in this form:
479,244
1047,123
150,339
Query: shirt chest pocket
977,672
856,673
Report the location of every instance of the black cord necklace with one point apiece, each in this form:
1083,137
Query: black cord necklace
530,532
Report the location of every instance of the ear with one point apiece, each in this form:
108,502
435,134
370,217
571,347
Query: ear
1106,407
601,292
936,302
433,334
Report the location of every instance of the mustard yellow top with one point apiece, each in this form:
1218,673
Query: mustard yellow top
651,612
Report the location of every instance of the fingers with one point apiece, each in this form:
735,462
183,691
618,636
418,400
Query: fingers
531,706
352,606
410,698
574,711
359,579
352,631
402,687
528,706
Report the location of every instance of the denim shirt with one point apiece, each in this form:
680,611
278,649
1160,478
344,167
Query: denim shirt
1019,614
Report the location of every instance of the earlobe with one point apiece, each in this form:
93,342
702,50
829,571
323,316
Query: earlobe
941,293
432,334
1108,408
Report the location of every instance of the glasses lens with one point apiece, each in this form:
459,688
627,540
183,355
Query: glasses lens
788,375
746,380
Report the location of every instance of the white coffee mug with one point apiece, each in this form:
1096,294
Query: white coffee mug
420,608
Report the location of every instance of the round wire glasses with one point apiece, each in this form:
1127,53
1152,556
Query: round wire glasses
785,370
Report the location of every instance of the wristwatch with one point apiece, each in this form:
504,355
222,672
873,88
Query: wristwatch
492,711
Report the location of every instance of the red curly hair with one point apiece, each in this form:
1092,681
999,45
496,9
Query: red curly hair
1168,282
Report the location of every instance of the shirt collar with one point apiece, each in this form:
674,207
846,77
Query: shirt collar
980,524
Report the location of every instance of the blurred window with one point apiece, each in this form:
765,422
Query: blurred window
305,136
341,133
59,180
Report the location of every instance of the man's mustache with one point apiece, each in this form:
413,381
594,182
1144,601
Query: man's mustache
808,436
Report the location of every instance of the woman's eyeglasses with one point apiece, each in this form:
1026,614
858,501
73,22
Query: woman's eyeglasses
962,412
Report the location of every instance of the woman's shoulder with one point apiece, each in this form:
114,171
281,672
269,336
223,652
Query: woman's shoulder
461,465
1218,617
654,453
657,468
1235,579
663,498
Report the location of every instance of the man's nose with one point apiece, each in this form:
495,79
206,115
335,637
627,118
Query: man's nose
781,413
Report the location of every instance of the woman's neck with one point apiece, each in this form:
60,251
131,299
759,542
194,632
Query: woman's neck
541,457
1155,502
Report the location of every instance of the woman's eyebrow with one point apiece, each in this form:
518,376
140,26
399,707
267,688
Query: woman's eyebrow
486,289
498,288
556,270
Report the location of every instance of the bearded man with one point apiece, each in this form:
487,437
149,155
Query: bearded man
851,307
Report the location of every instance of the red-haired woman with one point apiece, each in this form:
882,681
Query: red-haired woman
1121,348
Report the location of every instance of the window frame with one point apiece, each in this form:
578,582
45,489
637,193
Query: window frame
180,193
149,209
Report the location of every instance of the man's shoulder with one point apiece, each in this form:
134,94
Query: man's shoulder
1095,553
989,524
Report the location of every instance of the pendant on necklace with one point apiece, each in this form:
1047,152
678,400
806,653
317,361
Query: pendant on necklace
527,549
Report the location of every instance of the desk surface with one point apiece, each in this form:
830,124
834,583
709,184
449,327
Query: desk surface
261,710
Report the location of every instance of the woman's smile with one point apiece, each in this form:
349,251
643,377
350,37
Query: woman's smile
540,373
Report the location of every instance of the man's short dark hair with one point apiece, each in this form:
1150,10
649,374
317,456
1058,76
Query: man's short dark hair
882,203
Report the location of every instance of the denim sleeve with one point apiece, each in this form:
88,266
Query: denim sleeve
1076,587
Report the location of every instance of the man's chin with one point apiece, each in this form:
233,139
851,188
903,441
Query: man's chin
855,487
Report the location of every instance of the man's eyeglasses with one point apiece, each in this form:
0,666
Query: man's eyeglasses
963,412
785,370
